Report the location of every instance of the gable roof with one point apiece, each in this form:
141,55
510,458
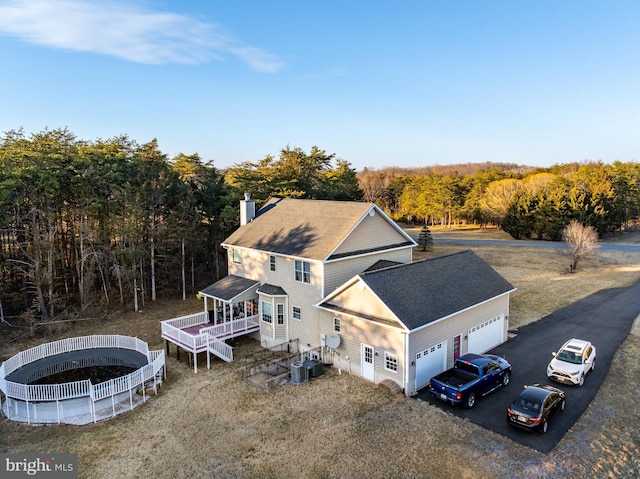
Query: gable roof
425,291
304,228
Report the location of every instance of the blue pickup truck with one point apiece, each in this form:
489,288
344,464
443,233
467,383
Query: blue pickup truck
472,376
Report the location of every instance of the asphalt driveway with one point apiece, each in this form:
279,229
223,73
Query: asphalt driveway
604,318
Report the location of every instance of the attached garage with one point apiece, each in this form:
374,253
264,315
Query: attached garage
430,362
417,317
486,335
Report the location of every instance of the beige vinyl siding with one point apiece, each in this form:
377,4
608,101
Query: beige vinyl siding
267,333
338,272
274,333
246,296
354,332
301,295
250,266
255,265
358,294
447,329
372,232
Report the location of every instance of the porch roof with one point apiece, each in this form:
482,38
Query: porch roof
229,287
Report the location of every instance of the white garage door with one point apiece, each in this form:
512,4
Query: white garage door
486,335
430,362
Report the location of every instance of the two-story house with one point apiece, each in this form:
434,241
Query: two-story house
339,275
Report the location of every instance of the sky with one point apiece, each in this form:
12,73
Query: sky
377,83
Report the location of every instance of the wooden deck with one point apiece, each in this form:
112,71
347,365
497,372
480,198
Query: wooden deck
195,334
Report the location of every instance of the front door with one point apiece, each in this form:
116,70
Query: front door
456,347
367,368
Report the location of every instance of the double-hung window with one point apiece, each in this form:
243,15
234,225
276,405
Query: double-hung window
297,313
266,312
303,271
280,314
235,256
272,263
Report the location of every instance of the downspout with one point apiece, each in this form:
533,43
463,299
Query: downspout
274,318
286,309
407,363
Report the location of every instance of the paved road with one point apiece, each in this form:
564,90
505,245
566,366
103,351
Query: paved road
529,244
605,318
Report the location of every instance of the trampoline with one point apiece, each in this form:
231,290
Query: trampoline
79,380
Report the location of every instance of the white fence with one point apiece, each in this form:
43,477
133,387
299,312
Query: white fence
16,393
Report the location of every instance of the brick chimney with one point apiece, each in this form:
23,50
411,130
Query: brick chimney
247,209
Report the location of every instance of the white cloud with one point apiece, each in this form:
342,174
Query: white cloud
126,31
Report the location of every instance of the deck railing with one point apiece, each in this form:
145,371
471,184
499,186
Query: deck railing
173,330
219,348
188,320
231,327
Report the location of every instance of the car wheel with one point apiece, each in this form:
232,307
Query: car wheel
593,365
470,402
581,380
506,378
544,426
562,405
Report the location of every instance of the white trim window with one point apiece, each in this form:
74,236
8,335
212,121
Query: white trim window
337,325
390,362
236,257
272,263
280,314
297,313
303,271
267,312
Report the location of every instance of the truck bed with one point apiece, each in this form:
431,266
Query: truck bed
455,378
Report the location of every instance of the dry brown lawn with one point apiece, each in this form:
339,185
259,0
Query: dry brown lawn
214,424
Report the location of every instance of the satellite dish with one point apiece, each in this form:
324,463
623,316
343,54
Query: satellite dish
333,340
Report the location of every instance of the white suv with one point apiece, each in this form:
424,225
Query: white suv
572,362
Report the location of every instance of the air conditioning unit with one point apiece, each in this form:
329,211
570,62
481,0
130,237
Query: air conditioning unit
299,374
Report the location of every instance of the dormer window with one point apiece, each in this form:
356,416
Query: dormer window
303,271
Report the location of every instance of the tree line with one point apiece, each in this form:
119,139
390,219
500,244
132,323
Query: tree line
114,222
526,202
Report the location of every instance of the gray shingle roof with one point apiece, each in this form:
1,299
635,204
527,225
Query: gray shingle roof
271,290
297,227
425,291
229,287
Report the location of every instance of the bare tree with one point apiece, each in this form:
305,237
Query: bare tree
373,183
580,242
